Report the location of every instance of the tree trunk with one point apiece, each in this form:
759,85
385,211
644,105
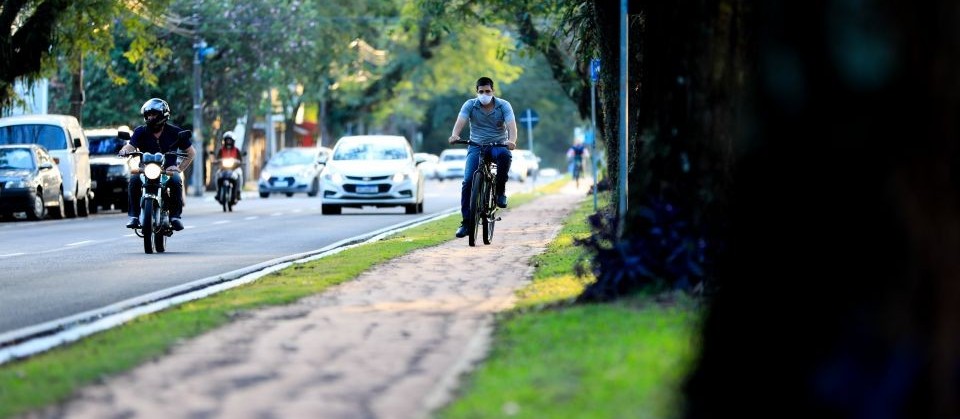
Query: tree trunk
76,92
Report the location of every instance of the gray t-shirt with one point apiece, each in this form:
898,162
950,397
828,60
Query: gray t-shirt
487,127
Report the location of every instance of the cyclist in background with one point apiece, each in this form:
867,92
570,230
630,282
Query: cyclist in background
576,154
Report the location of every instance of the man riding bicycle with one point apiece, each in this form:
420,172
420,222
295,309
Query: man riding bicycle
491,121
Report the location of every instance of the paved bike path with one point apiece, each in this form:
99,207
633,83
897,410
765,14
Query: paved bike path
390,344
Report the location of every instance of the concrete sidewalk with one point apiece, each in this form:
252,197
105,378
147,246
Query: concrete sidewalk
391,344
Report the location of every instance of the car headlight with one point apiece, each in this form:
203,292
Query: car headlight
400,177
264,175
17,184
152,171
334,177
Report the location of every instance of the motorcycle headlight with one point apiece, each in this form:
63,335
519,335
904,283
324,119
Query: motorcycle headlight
152,171
228,162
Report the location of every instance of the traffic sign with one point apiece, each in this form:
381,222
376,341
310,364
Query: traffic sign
530,118
595,69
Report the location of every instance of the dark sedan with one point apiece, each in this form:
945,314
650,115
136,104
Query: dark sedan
30,182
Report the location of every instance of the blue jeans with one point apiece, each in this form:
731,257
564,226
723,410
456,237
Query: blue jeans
135,190
501,156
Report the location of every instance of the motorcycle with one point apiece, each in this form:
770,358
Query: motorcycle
155,225
228,182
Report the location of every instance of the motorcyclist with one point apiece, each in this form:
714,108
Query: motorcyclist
158,136
228,149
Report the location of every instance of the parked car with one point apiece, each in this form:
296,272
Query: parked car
30,182
451,164
372,170
533,162
520,167
62,136
428,164
293,170
110,173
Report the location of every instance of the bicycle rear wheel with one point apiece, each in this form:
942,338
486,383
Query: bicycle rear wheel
476,207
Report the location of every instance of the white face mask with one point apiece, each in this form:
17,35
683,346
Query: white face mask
484,99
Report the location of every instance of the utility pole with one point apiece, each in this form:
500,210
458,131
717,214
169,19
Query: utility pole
624,128
199,47
594,75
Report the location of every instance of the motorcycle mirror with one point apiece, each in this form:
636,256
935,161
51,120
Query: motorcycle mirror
185,134
123,135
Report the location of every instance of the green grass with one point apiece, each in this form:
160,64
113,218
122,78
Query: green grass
54,375
552,359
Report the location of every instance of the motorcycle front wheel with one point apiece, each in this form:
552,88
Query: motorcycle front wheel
146,213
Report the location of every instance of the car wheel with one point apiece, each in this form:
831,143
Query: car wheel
70,208
264,194
420,208
410,208
83,207
289,194
314,188
94,206
57,211
37,211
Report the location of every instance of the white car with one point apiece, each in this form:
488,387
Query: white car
427,163
451,164
372,170
293,170
523,165
64,139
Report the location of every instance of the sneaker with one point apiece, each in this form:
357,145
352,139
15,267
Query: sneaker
176,223
502,201
462,231
133,223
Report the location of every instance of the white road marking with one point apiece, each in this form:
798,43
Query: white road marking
251,218
276,214
221,222
11,254
79,243
297,210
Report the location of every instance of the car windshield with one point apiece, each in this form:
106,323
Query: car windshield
454,157
292,157
370,151
105,145
49,136
16,158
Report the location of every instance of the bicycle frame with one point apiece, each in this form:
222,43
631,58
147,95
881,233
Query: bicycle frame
483,208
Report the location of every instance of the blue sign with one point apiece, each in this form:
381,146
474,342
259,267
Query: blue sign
530,118
588,138
595,69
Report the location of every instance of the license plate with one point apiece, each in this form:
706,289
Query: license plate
367,189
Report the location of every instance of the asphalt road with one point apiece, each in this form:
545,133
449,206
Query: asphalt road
56,268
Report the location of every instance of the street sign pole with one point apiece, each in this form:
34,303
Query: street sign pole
530,118
624,126
594,75
197,175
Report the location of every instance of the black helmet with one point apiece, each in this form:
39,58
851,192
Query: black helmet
228,138
155,107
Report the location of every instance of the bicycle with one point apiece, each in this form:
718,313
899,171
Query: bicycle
483,206
577,170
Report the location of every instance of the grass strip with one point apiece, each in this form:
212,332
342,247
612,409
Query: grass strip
54,375
552,359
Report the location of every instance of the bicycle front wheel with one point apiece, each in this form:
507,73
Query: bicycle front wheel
477,209
488,217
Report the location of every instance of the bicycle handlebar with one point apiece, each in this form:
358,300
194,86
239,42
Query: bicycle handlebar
471,142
